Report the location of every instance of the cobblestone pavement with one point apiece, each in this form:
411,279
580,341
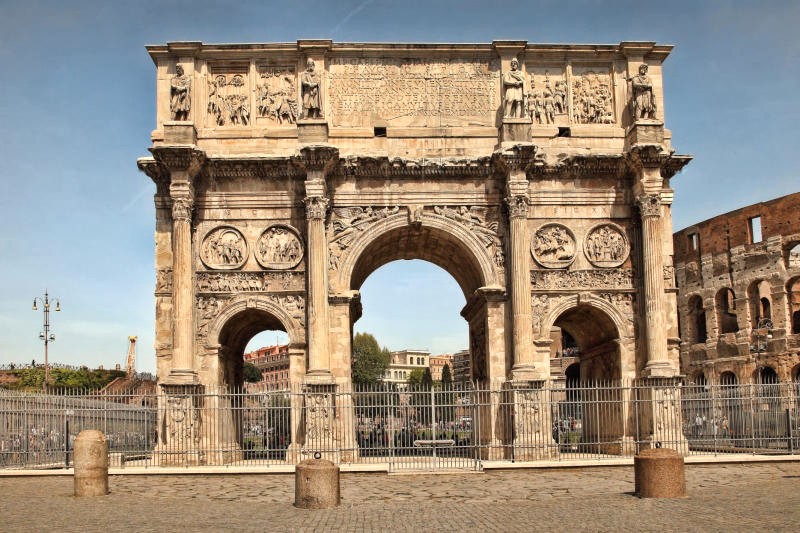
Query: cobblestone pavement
750,497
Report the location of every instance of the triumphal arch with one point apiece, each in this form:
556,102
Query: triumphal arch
537,175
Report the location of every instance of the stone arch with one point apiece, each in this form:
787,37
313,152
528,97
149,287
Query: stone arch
759,297
238,322
601,332
724,303
435,238
696,325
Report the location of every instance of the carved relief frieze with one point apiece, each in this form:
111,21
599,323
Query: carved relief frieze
623,301
407,92
228,95
540,304
548,100
224,248
163,281
475,219
606,246
276,95
236,282
279,248
553,246
592,96
207,310
618,278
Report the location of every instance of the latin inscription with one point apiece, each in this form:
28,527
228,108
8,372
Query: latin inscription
413,93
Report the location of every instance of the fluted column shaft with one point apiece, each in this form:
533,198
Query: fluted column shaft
318,345
182,288
653,278
520,285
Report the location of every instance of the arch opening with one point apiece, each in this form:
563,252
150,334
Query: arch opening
760,298
699,332
261,424
430,244
793,298
725,302
596,342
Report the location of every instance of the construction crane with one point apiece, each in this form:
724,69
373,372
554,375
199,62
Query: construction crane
130,367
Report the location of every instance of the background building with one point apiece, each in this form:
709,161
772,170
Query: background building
738,276
403,362
273,362
437,363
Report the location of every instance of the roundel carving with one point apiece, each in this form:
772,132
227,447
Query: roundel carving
606,245
224,248
553,246
279,247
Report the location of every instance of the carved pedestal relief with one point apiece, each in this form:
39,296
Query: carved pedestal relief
553,246
224,248
606,246
228,95
279,248
276,95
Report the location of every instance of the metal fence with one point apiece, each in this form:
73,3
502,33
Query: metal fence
455,427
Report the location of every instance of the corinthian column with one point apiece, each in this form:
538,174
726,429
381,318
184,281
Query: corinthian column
658,364
317,160
183,164
516,161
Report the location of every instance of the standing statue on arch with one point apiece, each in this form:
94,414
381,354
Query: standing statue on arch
310,81
643,102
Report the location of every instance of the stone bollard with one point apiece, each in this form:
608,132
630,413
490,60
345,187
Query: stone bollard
316,484
91,463
659,473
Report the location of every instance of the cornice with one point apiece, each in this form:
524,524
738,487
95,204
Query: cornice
260,167
381,166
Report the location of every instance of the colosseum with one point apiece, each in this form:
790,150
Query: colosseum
739,295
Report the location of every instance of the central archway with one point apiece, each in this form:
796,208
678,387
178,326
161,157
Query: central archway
462,252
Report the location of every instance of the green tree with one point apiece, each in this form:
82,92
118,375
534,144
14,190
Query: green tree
251,373
427,378
369,360
415,376
447,378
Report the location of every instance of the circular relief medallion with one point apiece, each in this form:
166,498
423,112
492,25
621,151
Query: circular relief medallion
224,248
553,246
279,247
606,245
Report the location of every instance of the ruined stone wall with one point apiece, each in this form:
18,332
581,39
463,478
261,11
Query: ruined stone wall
739,300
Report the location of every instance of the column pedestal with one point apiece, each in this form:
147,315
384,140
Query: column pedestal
660,414
180,434
531,422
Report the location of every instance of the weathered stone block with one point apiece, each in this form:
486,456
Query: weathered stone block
316,485
659,473
91,463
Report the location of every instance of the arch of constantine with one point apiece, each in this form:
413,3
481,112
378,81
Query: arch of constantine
537,175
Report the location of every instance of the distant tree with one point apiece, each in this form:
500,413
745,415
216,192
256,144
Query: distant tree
427,378
415,376
369,360
447,378
251,373
64,378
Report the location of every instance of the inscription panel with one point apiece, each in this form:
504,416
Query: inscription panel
413,93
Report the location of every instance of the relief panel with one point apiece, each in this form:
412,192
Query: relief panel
228,95
606,246
279,248
276,95
592,95
224,248
553,246
548,99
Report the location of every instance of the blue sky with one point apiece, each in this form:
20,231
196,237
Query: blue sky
77,109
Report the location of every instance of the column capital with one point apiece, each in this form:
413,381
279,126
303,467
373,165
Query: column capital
316,207
517,206
649,205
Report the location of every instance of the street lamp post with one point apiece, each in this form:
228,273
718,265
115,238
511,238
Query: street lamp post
45,334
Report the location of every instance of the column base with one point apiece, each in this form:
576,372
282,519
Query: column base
319,377
181,377
658,369
521,375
